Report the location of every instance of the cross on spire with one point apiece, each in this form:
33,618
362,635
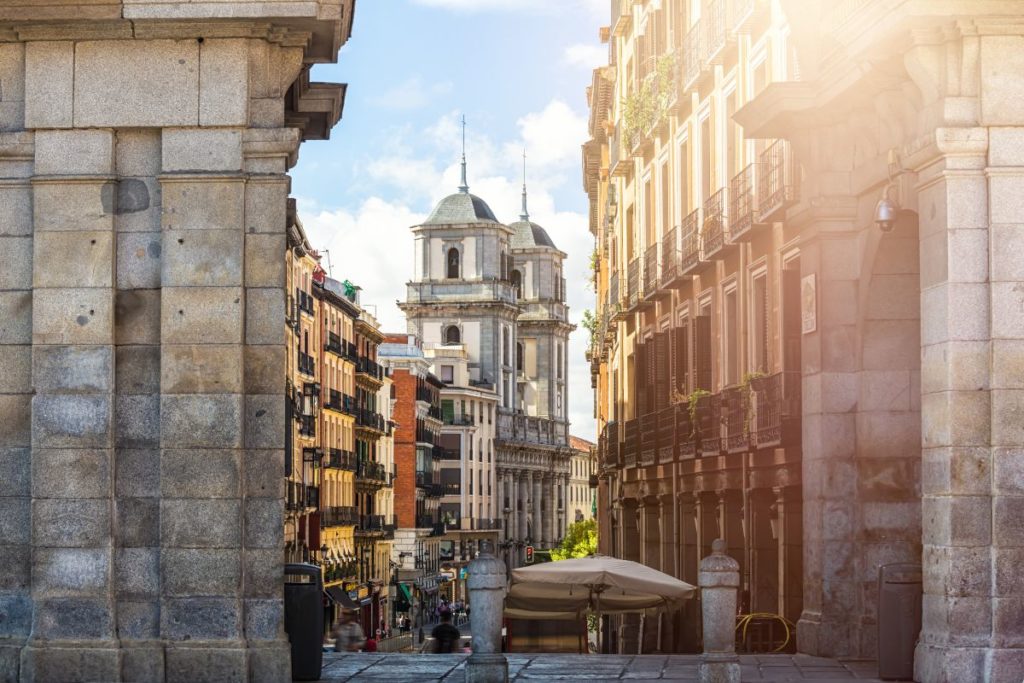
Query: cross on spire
525,215
464,187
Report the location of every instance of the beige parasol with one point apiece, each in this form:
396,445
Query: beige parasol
597,584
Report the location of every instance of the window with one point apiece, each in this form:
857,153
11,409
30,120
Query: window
505,347
447,374
706,160
759,324
732,137
731,334
519,357
517,282
452,335
453,264
559,360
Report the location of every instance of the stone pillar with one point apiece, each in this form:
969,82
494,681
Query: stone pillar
514,487
16,265
144,199
73,414
486,584
553,531
972,394
525,490
719,580
540,527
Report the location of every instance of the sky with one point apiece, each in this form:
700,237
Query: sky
518,71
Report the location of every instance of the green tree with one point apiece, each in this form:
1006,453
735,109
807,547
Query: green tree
580,541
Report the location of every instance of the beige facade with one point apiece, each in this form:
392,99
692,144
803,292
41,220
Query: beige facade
907,326
581,493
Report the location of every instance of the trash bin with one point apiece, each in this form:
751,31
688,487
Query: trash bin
304,619
899,619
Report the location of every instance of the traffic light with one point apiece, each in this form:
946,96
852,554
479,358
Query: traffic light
529,554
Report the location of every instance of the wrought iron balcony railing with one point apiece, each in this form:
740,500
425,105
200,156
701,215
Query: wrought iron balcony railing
777,186
715,229
741,204
651,269
633,282
690,251
671,255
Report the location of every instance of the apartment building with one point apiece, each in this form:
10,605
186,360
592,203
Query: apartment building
581,493
416,552
805,225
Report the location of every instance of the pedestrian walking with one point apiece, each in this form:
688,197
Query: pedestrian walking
348,634
446,636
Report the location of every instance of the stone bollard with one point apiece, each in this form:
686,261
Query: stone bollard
719,581
487,584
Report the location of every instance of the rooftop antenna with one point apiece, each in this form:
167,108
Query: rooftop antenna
464,187
330,268
525,215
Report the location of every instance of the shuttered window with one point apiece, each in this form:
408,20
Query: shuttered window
663,378
702,352
681,357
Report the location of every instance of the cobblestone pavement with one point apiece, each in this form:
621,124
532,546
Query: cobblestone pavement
683,668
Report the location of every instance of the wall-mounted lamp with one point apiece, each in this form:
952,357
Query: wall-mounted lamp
886,209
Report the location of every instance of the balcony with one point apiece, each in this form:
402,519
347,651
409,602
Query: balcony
622,16
449,454
665,425
743,14
454,291
608,446
436,490
459,420
370,525
671,258
651,271
338,516
424,479
716,226
708,427
307,364
304,300
691,56
426,395
425,521
648,439
776,408
515,427
618,311
686,445
716,34
452,488
372,473
368,368
368,419
312,496
333,400
734,420
633,284
334,345
631,443
777,187
339,459
741,204
690,256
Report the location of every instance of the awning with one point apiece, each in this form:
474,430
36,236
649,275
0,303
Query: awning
404,598
339,596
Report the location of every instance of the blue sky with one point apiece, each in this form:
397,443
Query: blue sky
518,71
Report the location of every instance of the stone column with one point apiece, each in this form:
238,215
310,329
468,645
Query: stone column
972,347
719,579
73,412
525,490
540,528
16,245
513,481
486,584
549,518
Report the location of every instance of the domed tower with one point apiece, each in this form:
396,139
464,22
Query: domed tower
542,356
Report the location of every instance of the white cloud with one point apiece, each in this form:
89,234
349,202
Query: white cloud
552,136
586,56
371,247
412,93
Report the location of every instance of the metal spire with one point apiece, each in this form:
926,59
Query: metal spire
525,215
464,187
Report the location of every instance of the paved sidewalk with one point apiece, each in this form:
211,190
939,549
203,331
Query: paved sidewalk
400,668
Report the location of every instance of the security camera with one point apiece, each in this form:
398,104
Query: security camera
885,214
885,211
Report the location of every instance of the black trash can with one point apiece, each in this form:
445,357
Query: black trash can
304,619
899,619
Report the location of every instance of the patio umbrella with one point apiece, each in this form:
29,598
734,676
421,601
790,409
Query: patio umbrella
598,584
590,583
